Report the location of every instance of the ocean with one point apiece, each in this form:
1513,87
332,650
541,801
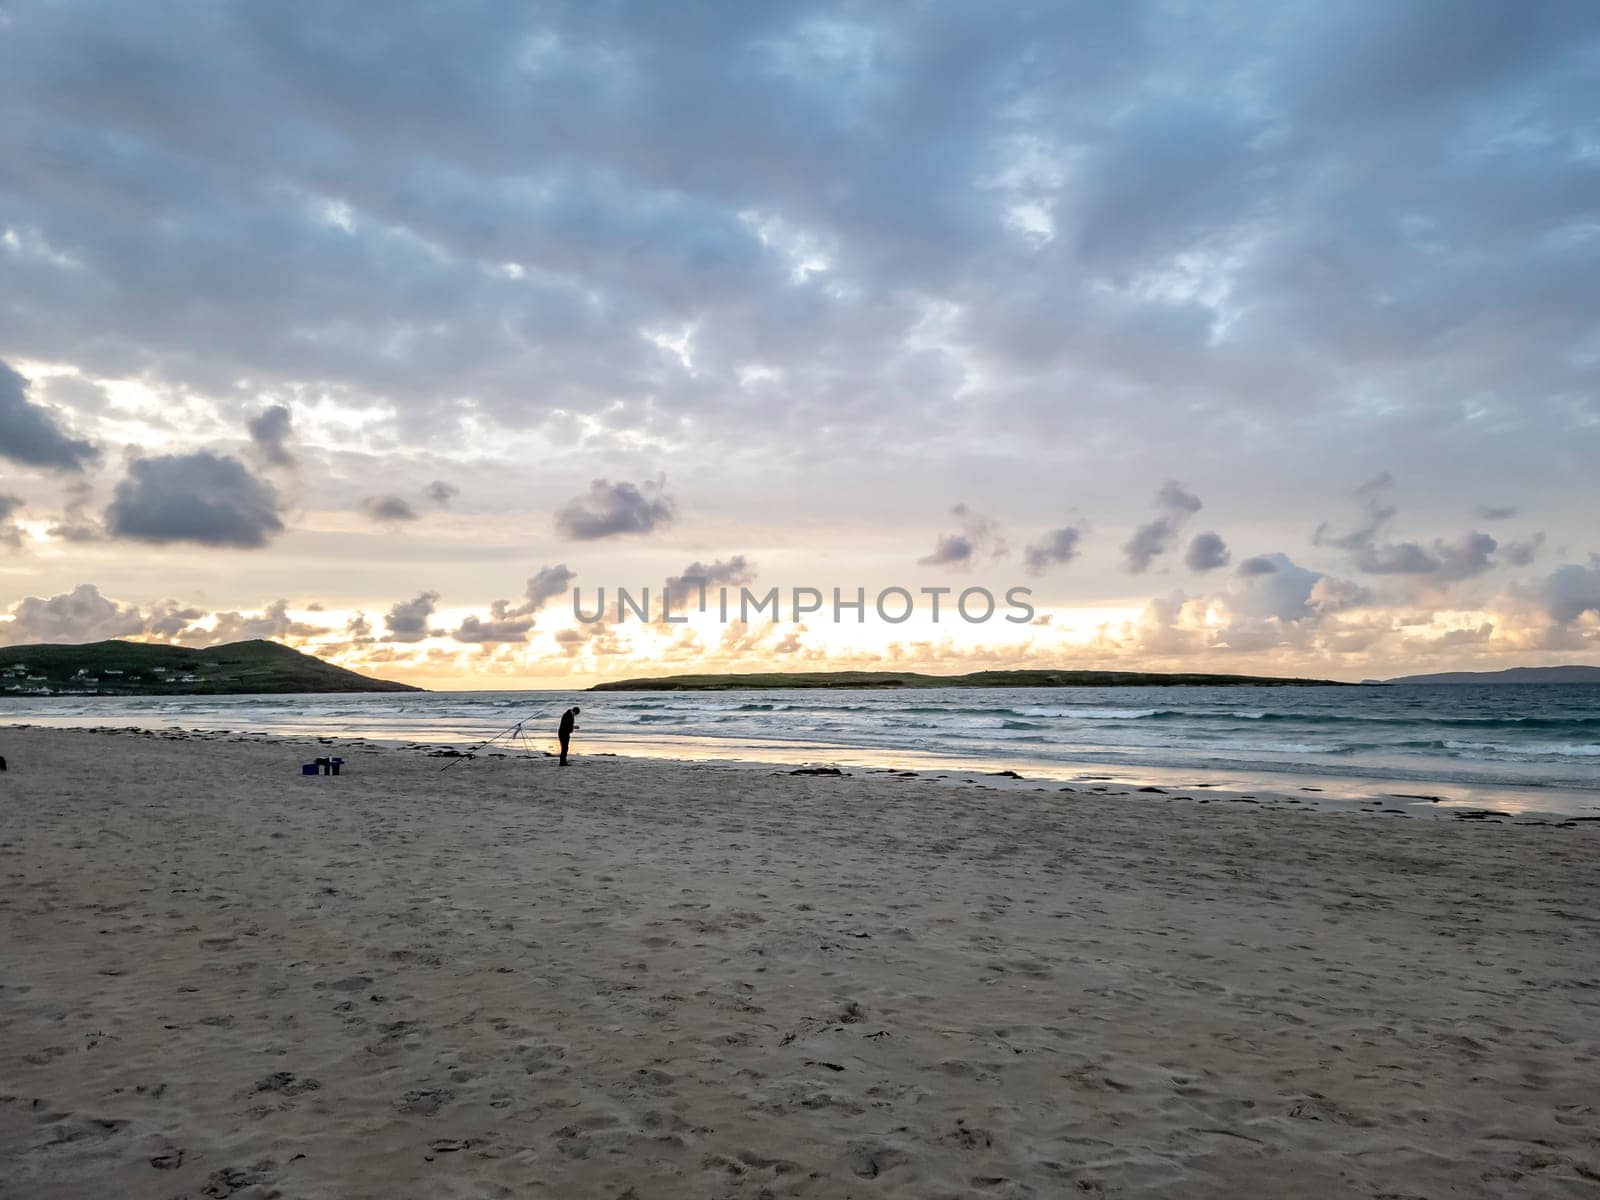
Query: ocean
1527,747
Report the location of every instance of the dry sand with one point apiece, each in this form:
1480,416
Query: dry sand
636,979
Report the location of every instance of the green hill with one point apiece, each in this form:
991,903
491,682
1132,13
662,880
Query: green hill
145,669
977,679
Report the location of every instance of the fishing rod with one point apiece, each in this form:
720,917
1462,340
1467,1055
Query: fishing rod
514,731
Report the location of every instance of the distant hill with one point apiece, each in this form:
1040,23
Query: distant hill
909,679
1571,674
145,669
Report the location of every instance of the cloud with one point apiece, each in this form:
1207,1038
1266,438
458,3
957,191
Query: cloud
272,623
270,431
611,509
1568,592
30,434
75,524
1497,512
1465,557
168,619
951,550
1522,553
735,572
10,534
81,615
1175,505
979,536
1207,552
512,623
546,584
389,510
441,493
1283,593
498,628
407,621
1446,559
874,246
1098,221
202,497
1461,558
1056,548
84,615
1379,511
1395,558
1259,564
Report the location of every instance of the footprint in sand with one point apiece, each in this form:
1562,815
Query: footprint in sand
424,1102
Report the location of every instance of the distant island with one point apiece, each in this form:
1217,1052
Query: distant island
977,679
147,669
1568,674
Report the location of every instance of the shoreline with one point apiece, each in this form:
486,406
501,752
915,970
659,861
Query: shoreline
1536,757
507,979
1306,791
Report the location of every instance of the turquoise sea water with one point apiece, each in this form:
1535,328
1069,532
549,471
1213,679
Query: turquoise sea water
1484,741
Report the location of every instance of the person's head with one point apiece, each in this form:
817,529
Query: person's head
576,710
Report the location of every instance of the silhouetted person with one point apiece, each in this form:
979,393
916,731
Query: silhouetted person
568,724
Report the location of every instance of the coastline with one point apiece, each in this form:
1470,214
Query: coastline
687,980
1413,795
1521,750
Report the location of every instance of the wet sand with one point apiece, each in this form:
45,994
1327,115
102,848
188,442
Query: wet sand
631,978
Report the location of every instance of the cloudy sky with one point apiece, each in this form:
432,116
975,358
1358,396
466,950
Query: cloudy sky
1251,336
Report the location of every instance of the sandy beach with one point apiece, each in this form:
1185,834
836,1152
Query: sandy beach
647,979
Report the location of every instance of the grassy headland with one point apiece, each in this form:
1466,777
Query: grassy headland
119,668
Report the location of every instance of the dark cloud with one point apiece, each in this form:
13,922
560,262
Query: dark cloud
1056,548
1259,564
75,523
1378,510
979,537
1175,505
734,572
1460,558
30,433
1465,557
10,534
546,584
1522,553
441,493
611,509
389,510
497,629
1207,552
951,550
1497,512
270,430
800,185
1372,552
511,623
1569,592
1396,558
407,621
202,498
